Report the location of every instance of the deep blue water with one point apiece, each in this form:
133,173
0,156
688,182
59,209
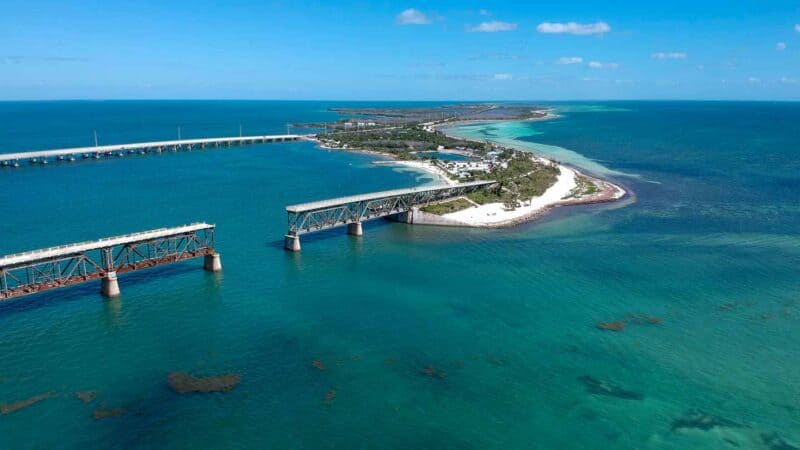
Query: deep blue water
710,246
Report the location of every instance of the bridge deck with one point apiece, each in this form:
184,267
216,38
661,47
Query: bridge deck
352,210
72,249
56,267
324,204
140,145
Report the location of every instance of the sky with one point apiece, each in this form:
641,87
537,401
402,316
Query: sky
400,50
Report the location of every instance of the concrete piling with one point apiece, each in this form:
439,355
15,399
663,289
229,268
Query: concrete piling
212,263
291,243
110,285
355,229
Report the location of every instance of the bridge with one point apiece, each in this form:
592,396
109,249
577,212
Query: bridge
140,148
352,211
56,267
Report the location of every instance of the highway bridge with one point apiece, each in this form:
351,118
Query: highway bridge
56,267
138,148
352,211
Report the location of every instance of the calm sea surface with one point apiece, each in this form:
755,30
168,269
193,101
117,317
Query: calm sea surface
505,319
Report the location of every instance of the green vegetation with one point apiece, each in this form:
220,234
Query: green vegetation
399,141
584,187
367,117
523,179
519,176
492,194
447,207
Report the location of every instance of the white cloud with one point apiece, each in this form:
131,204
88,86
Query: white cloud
797,28
787,80
503,76
493,27
581,29
485,12
670,55
569,60
601,65
754,80
412,16
780,46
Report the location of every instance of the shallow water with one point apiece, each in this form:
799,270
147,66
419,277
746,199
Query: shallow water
430,337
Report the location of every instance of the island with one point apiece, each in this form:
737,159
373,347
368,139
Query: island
527,185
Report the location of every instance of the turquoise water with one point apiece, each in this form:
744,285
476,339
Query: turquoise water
443,156
710,246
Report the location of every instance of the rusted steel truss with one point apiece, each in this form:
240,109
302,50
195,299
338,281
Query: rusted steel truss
336,215
64,270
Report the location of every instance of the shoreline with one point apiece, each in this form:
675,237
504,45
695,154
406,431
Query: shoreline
390,160
421,166
549,115
494,215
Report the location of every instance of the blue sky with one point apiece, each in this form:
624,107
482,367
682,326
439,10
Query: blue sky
382,50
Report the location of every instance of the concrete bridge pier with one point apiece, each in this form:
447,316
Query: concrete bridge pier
212,263
291,242
110,286
354,229
404,217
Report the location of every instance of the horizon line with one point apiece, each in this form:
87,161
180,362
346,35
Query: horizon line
112,99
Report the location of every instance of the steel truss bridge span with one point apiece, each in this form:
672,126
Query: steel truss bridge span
351,211
55,267
42,157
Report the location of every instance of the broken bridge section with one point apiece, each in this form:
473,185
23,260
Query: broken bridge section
352,211
56,267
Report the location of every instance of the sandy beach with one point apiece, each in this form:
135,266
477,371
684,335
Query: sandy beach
548,115
496,214
423,166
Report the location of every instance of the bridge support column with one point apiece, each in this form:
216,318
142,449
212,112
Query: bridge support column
291,243
110,286
354,229
212,263
404,217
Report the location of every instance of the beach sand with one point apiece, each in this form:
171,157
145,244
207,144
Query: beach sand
423,166
496,214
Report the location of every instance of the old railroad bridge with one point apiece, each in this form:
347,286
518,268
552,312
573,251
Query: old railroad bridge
352,211
55,267
103,259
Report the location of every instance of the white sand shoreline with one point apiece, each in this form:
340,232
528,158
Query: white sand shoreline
492,214
421,166
496,214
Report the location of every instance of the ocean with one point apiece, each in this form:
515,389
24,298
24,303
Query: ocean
423,337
